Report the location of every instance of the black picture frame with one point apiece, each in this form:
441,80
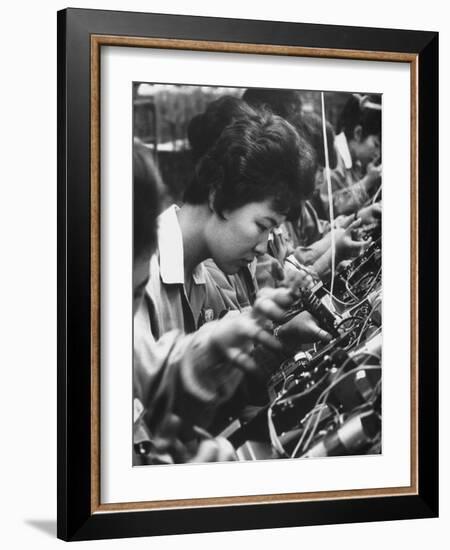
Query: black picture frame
79,517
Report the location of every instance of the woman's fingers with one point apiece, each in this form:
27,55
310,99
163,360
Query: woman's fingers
214,450
371,214
240,359
271,304
353,225
346,222
225,450
207,452
357,246
315,331
375,210
323,335
281,296
298,279
267,340
304,329
265,308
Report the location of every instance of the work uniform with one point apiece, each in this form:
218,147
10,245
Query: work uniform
208,295
169,382
238,291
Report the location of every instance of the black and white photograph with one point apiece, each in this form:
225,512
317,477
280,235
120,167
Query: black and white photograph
224,278
247,316
257,273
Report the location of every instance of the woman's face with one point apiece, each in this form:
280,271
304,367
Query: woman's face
235,239
366,149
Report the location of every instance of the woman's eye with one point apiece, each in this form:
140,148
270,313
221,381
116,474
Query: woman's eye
262,227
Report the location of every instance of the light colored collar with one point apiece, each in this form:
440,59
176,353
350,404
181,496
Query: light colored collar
341,143
171,255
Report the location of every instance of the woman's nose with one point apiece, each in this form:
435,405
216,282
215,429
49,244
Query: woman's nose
261,247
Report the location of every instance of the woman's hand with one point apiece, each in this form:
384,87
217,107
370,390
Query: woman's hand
373,175
177,442
269,272
221,351
370,214
216,449
302,329
297,278
346,246
235,335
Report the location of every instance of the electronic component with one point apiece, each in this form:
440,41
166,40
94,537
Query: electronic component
326,400
315,300
358,277
356,433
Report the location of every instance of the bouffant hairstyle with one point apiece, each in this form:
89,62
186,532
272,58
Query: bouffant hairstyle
255,158
147,187
204,129
361,110
243,156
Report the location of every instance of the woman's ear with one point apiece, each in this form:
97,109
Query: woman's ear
211,200
357,133
212,206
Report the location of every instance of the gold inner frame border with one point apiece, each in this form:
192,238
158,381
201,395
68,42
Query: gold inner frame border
97,41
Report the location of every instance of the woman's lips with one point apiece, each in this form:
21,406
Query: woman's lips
246,261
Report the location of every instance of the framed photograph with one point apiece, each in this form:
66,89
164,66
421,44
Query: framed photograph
247,317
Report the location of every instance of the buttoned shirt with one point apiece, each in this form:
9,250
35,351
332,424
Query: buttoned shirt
211,295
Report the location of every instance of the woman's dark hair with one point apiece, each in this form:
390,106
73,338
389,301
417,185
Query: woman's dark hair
284,103
204,129
361,110
147,187
255,158
309,126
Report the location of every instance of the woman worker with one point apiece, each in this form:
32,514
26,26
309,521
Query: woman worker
243,187
179,380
